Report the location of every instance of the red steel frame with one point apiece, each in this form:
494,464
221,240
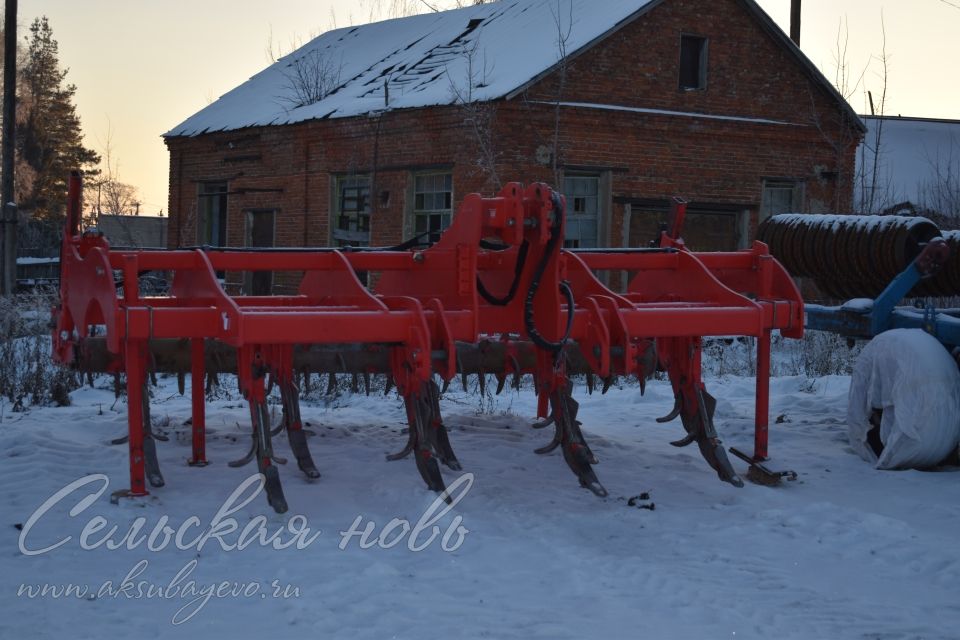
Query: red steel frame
426,301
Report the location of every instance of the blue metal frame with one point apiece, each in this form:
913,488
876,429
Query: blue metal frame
865,318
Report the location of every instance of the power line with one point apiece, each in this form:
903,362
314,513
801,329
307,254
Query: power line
950,4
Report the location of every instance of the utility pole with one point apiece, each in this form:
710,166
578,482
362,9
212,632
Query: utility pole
795,21
8,210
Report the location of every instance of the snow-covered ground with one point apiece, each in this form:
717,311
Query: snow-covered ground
846,551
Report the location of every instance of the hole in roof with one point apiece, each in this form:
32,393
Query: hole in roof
471,27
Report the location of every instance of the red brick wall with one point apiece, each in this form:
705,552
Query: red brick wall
749,75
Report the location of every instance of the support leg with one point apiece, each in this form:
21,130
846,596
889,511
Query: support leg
135,360
763,398
198,422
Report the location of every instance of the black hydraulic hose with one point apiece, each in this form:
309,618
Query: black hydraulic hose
517,272
552,248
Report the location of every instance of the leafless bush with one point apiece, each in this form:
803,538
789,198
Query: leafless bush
817,354
28,376
310,78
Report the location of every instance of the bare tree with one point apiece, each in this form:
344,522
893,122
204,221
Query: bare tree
478,115
550,151
869,190
563,36
378,9
940,194
113,196
870,181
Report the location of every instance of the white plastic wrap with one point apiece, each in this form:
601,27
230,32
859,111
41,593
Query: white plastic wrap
911,377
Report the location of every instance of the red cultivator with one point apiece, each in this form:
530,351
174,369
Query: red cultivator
497,294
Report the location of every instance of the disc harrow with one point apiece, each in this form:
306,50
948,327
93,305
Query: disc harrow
856,256
497,294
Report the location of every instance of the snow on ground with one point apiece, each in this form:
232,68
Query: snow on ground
845,552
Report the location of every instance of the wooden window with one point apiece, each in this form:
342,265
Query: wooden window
212,214
259,233
351,224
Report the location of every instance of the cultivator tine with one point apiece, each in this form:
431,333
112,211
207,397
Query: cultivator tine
677,406
407,448
554,443
501,381
700,429
446,385
354,384
576,452
418,414
331,384
270,382
247,459
482,382
306,380
262,449
290,397
428,439
366,383
591,383
515,367
439,431
388,385
151,464
689,439
265,455
181,382
606,384
463,380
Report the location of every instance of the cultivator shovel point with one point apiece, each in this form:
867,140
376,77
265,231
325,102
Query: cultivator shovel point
496,295
567,435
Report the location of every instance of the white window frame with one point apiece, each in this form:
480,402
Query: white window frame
424,204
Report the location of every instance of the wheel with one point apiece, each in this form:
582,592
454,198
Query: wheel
903,411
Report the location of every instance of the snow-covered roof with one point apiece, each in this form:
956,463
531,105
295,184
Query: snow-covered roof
483,52
417,61
911,152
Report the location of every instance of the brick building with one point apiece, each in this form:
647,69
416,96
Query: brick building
371,134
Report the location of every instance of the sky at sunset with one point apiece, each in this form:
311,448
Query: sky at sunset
143,66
